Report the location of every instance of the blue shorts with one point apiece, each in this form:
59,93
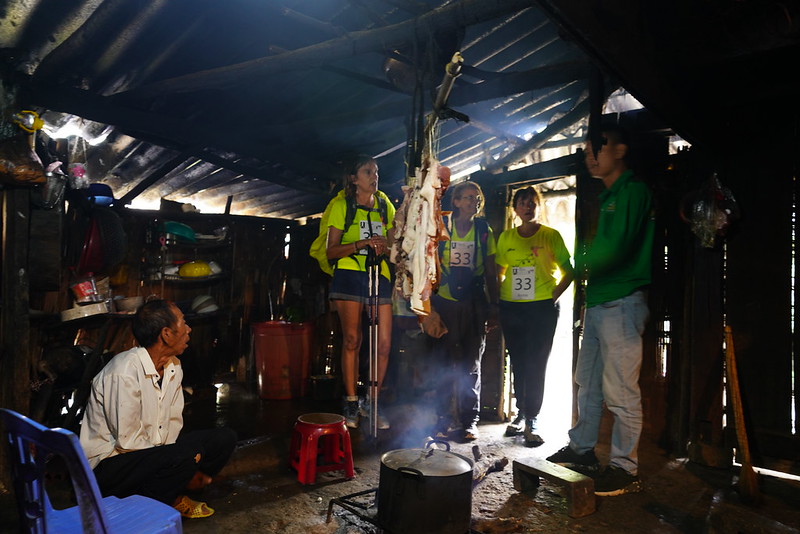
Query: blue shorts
354,285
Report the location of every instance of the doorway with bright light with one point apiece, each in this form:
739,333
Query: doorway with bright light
555,418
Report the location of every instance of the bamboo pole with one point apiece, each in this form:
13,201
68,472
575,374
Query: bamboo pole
748,479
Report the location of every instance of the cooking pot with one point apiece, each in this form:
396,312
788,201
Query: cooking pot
425,490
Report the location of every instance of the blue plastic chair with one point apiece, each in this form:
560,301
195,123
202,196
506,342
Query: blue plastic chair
31,445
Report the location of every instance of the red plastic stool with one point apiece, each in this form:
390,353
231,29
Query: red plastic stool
320,443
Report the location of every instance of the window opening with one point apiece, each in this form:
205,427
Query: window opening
664,330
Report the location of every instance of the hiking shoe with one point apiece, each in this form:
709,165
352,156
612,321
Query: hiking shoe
365,409
350,412
383,423
616,481
441,433
447,428
471,433
517,426
567,457
442,427
532,439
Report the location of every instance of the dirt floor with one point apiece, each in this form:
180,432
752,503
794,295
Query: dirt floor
258,492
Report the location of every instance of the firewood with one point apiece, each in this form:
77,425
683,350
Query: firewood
486,466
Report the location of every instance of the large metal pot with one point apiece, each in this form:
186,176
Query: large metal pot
425,490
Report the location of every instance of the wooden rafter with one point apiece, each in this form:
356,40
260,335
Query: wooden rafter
456,15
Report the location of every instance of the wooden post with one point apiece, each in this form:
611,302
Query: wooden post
14,313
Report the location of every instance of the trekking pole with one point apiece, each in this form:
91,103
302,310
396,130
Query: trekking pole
373,273
374,352
377,275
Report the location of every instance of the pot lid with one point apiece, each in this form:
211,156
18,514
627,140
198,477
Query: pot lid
429,462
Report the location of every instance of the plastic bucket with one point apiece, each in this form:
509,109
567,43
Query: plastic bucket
283,356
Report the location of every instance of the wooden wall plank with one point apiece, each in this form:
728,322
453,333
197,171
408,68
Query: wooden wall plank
14,313
758,296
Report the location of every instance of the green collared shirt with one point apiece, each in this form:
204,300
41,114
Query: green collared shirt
618,261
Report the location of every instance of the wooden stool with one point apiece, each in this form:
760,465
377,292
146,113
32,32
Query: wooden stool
320,443
579,488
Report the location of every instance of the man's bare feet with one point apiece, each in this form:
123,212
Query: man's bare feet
198,481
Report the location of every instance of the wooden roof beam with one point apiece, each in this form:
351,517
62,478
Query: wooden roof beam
576,114
317,25
505,84
456,15
462,94
155,176
538,172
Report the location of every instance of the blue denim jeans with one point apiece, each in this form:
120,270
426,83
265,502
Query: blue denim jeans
608,370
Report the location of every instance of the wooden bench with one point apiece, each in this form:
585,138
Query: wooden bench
579,488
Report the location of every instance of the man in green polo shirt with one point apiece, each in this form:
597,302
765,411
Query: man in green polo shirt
616,267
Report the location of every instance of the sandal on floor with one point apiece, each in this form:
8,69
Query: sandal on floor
193,509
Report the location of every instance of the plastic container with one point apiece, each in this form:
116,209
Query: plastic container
283,357
85,290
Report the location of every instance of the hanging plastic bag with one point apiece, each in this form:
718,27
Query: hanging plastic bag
78,177
709,211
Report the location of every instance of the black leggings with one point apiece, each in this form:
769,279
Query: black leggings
162,473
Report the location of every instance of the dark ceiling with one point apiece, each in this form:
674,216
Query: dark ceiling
253,103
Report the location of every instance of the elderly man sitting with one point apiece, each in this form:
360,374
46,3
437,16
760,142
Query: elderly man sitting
131,430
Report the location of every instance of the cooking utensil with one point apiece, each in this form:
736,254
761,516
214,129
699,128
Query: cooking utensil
425,490
178,232
129,304
79,312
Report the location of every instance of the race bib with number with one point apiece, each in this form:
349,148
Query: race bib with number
523,283
364,232
462,254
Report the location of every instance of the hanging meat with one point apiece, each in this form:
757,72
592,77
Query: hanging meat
418,229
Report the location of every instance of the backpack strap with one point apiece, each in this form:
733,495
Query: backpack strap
350,213
352,207
482,234
382,209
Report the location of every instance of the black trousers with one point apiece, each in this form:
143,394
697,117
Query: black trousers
459,353
162,473
528,329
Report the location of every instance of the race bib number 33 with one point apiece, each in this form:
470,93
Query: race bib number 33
523,283
462,254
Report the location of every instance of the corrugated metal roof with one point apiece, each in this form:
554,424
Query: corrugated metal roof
254,103
259,100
